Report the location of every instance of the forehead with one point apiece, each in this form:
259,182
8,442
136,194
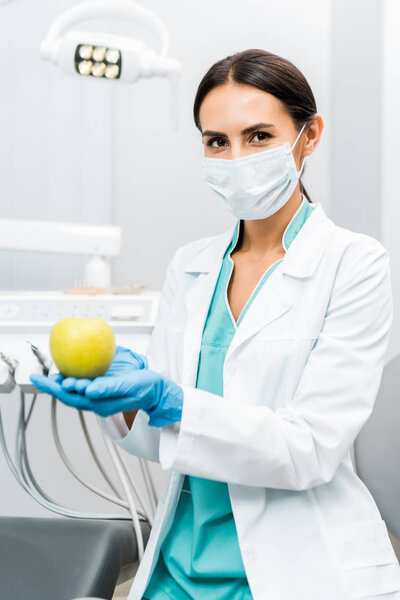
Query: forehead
238,105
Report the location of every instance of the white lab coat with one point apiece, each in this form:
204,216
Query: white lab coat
300,379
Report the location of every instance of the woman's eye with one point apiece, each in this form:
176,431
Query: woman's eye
216,142
260,136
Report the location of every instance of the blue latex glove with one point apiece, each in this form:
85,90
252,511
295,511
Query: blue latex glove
124,361
159,397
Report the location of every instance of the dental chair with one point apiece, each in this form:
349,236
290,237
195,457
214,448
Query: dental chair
65,559
377,448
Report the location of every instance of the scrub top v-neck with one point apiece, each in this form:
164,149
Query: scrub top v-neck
200,556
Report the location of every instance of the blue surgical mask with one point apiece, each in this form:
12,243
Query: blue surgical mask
254,186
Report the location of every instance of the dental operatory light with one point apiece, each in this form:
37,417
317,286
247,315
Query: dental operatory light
106,56
98,61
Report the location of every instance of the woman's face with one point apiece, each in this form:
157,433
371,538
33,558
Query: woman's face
237,120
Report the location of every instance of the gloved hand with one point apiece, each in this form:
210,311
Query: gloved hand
159,397
124,361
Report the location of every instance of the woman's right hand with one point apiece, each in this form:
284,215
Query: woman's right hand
124,362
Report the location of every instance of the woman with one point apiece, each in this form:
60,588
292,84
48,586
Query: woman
265,362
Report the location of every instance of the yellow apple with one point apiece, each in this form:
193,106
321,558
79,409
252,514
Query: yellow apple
82,347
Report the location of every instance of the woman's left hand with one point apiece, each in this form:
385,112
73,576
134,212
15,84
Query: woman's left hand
145,389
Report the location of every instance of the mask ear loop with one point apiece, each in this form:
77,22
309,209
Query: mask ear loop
291,149
300,132
301,168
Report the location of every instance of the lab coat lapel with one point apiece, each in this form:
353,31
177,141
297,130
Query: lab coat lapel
276,296
205,269
271,302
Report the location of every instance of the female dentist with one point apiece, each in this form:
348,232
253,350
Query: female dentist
261,370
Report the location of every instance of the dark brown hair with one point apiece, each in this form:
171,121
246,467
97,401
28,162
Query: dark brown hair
268,72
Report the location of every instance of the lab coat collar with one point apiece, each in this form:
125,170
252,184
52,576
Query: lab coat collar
272,301
301,257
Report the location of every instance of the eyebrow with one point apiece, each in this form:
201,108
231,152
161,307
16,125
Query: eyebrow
243,132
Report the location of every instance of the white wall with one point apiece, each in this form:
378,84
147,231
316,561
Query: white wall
55,149
391,155
159,197
356,114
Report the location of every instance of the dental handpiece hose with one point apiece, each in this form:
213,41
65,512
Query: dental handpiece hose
42,358
10,362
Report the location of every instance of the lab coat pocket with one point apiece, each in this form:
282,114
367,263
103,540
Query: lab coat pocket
285,358
365,558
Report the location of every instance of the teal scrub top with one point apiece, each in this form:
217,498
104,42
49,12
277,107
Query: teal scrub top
200,556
